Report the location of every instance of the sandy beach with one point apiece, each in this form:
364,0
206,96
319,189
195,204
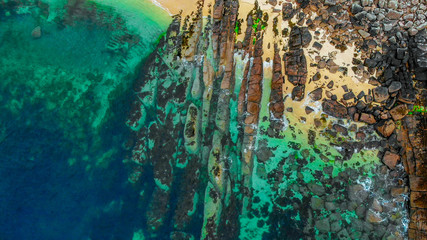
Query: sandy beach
175,7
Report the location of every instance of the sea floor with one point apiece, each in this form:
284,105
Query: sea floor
63,137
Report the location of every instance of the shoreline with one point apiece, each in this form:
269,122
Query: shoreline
135,12
175,7
162,7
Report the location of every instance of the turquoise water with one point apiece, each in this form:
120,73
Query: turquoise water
63,107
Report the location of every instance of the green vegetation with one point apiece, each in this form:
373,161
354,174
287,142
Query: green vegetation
160,38
418,109
255,25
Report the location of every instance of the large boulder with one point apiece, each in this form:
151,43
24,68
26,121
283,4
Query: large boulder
357,193
316,94
399,112
305,36
298,93
390,159
380,94
335,109
385,127
323,225
373,217
394,87
367,118
287,11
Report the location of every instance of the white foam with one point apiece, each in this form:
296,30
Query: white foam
162,7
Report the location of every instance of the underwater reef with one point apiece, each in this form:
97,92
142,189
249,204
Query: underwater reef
244,119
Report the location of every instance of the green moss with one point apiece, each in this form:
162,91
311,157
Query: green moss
418,109
160,38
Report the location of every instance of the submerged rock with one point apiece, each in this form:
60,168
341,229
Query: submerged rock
317,203
357,193
37,32
323,225
373,217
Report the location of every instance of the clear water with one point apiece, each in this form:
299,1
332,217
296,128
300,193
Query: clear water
63,107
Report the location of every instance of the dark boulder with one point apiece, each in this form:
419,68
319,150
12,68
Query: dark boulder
400,53
385,127
394,86
316,95
287,11
305,36
399,112
348,96
388,74
361,95
356,8
308,110
298,93
317,46
367,118
341,129
335,109
380,94
371,63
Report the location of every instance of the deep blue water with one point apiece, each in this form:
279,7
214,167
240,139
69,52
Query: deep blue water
42,197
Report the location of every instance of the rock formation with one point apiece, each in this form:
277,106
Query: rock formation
213,135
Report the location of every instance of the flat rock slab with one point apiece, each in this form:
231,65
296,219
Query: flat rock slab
417,183
391,159
418,199
419,219
399,112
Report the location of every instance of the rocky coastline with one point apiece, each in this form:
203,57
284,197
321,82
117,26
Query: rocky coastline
242,58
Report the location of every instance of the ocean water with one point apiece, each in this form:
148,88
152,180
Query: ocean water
64,100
